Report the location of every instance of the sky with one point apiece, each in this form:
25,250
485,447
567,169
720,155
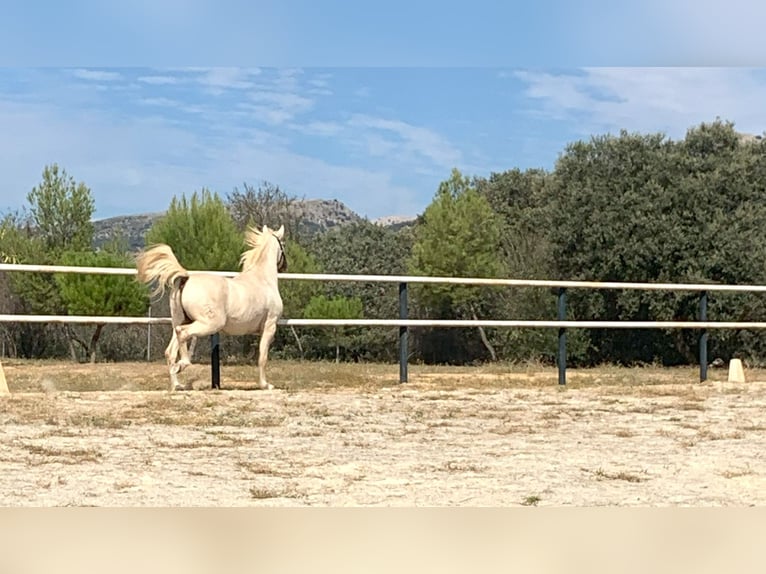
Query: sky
372,104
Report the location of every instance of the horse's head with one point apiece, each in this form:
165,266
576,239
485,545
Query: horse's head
264,244
279,235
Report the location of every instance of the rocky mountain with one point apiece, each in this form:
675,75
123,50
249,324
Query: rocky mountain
315,216
318,215
130,228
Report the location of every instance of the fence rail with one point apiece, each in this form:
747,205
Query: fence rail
403,322
464,323
418,279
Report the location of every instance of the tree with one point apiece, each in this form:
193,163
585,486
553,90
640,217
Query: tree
322,307
61,211
643,208
458,235
8,236
521,199
201,233
100,295
266,205
59,219
366,248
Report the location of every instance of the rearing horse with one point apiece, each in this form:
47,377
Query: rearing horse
203,304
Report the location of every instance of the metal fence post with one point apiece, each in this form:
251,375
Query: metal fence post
703,337
215,361
403,343
562,352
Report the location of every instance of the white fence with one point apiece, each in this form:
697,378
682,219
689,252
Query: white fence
403,322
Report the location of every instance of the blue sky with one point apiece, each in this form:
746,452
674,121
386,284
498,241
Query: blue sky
371,104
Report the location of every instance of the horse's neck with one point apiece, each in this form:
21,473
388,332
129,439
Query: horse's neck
264,271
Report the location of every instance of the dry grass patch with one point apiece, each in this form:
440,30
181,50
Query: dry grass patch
551,415
97,420
120,410
184,445
49,454
690,406
295,376
648,409
737,472
263,468
531,500
602,474
513,428
461,466
259,493
60,376
756,427
228,439
706,434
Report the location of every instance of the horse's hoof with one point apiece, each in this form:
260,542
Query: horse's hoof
179,366
267,387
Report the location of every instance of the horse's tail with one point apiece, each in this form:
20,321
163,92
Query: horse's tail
159,264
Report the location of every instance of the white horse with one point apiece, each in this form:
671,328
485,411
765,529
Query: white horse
203,304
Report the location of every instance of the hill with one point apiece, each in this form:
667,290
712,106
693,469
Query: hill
315,216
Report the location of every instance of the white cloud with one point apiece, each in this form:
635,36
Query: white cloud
135,154
393,142
96,75
158,80
319,128
127,164
275,108
159,101
137,164
218,80
162,102
411,139
669,100
320,85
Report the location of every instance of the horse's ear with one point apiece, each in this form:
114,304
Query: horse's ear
280,233
265,228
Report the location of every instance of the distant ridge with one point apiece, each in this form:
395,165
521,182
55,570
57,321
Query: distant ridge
315,216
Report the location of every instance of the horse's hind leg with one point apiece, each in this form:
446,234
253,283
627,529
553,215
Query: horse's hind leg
198,329
183,351
181,346
171,352
193,331
267,336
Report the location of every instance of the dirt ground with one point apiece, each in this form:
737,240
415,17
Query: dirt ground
470,442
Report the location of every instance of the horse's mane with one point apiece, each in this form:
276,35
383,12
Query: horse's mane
256,240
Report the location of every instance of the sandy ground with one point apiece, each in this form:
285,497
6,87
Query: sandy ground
414,445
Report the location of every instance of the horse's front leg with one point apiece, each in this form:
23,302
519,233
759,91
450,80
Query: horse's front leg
267,336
